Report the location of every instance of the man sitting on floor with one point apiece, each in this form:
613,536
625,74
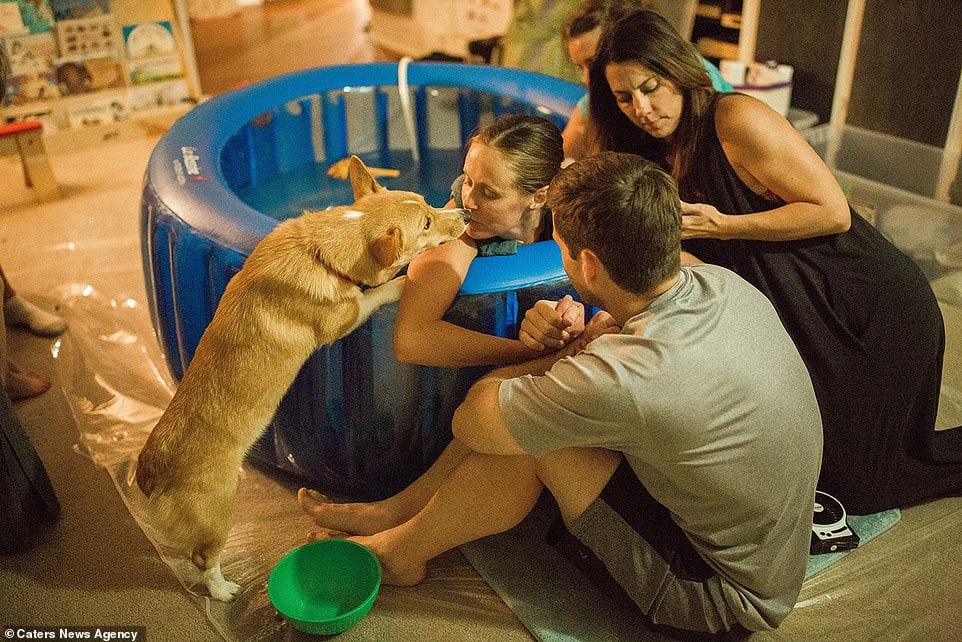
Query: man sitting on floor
679,434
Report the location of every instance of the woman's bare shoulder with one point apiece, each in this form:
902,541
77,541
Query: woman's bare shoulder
741,115
456,252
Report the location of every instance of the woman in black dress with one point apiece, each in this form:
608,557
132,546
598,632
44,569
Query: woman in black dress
758,200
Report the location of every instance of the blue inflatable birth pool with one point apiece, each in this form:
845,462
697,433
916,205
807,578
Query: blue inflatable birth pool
356,422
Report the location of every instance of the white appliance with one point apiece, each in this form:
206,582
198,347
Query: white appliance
418,28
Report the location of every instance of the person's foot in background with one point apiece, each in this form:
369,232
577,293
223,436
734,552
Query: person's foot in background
23,384
17,311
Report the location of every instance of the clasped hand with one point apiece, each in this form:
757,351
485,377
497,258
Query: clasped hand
701,221
556,324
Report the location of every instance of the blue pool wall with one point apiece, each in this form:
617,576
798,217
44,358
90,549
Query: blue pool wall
355,422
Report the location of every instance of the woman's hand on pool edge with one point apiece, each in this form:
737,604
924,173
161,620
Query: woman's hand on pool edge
552,324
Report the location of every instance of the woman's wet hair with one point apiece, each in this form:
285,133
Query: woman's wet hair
531,145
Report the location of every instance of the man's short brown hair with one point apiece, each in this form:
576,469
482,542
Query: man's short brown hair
626,210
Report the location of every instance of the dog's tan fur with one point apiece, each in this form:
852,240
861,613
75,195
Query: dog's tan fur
298,290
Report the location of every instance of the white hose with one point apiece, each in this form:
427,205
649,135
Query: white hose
407,109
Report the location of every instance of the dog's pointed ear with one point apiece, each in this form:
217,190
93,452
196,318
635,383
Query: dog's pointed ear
362,182
387,247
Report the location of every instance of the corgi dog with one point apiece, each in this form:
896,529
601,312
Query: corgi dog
298,290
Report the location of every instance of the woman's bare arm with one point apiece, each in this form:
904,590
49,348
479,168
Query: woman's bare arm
420,334
575,136
772,159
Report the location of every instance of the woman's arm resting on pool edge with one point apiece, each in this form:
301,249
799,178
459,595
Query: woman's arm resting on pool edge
420,334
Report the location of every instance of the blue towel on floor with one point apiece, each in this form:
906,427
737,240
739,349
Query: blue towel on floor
557,604
547,592
866,527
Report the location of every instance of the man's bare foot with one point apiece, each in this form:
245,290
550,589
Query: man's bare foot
22,384
395,569
353,519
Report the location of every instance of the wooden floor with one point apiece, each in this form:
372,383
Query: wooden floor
280,36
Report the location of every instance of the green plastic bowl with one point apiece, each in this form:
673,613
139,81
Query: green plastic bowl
326,586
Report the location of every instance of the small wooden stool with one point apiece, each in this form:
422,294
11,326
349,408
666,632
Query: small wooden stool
33,155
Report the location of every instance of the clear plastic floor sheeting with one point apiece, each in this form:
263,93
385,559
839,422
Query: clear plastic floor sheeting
117,386
905,584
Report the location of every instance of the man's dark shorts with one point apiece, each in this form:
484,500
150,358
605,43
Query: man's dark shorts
628,545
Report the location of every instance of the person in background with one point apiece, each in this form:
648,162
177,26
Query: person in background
28,504
533,39
758,200
581,33
20,312
17,311
660,430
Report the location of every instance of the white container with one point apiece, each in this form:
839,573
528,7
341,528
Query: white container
927,230
770,83
418,28
893,161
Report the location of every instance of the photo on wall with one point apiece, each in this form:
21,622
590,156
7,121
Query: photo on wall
77,9
25,16
31,53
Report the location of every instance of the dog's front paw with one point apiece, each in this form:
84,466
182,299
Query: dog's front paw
387,292
373,298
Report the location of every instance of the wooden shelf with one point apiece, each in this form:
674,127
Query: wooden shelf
718,49
140,102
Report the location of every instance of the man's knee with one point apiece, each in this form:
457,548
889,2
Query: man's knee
576,477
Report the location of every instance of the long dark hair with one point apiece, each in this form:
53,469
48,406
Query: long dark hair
645,37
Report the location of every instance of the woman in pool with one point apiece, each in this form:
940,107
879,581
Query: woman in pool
507,168
758,200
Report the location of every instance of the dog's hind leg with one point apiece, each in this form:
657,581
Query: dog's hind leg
218,587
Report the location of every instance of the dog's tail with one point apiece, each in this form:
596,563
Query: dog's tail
150,469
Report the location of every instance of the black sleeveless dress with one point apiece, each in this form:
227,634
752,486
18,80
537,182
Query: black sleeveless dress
869,329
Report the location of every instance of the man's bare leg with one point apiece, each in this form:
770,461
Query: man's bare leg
484,495
489,494
575,477
374,517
